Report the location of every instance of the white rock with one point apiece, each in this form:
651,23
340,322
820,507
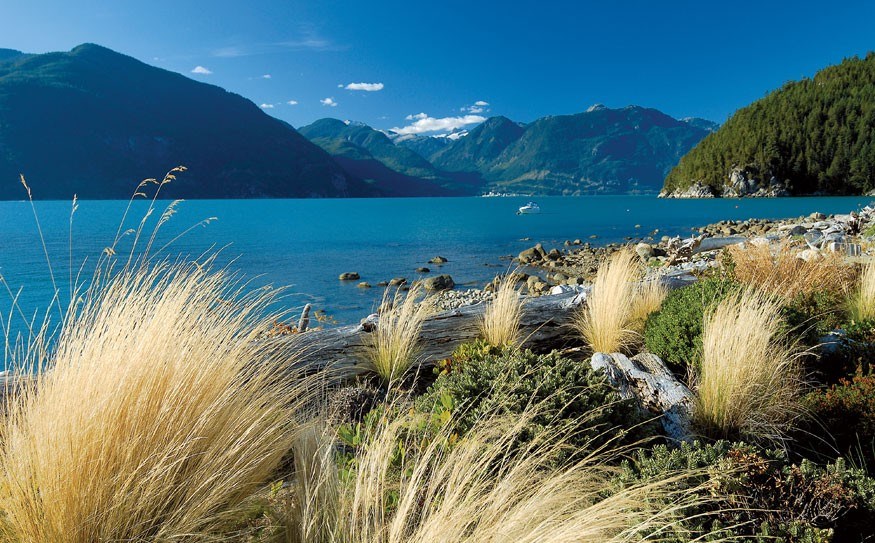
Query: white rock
809,255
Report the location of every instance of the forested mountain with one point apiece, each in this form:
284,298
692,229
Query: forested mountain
816,135
94,122
370,155
601,150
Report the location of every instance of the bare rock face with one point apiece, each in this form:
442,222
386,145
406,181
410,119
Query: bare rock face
696,190
743,184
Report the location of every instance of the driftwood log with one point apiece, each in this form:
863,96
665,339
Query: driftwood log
646,378
545,324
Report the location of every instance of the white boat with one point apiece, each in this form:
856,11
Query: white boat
529,208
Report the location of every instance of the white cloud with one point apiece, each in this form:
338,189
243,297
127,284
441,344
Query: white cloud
432,124
369,87
340,85
292,102
266,76
266,106
478,107
328,102
416,117
200,70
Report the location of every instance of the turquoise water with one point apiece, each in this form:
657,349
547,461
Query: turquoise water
305,244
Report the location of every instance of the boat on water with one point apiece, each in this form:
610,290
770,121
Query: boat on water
529,209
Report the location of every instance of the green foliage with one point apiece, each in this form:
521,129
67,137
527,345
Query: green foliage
810,316
568,393
760,495
674,333
847,411
817,133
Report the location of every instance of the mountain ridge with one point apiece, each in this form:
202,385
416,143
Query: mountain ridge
105,120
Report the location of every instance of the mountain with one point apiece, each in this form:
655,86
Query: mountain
371,155
601,150
704,124
95,122
814,136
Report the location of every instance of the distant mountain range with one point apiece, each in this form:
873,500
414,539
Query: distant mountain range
602,150
95,122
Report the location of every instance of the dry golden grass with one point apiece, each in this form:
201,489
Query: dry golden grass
779,272
749,383
604,321
862,300
475,491
158,416
648,299
500,325
392,348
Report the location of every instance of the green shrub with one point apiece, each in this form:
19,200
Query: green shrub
568,393
810,316
761,496
674,333
847,411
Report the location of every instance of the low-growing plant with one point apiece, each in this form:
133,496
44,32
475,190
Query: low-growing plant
748,382
759,495
780,272
569,393
473,491
674,332
847,411
500,325
604,320
861,302
391,349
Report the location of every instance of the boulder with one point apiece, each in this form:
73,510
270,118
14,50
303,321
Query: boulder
397,281
644,250
422,270
554,254
809,255
438,282
438,260
364,284
532,254
349,276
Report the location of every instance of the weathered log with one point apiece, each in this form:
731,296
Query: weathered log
647,379
544,324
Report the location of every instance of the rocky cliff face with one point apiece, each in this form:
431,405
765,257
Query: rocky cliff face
741,183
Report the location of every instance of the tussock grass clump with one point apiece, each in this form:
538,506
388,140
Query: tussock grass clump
473,490
159,414
604,321
780,272
748,383
862,300
500,325
649,296
392,348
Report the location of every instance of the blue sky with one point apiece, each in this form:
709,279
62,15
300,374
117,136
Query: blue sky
420,65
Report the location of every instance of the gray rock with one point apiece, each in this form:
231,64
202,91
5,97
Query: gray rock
644,250
349,276
422,270
438,282
364,284
397,281
696,190
438,260
797,230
